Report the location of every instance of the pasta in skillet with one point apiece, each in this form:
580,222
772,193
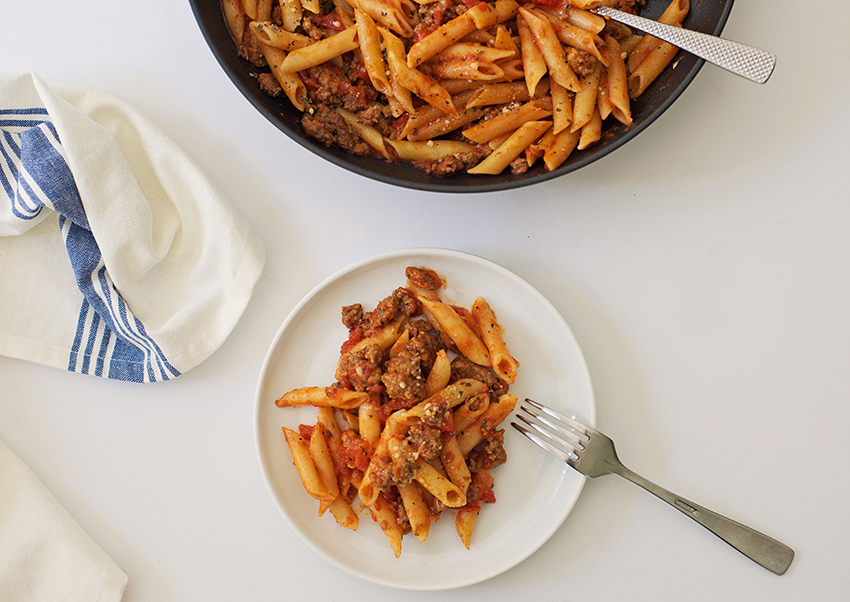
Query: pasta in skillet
422,81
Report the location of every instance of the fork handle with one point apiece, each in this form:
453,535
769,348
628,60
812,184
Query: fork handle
766,551
751,63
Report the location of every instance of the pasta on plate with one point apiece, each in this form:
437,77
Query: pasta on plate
409,428
452,85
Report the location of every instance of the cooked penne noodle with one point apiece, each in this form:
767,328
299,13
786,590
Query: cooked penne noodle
391,14
264,10
383,338
321,52
399,344
416,509
455,464
509,121
344,514
312,5
503,363
533,63
439,486
322,396
505,41
417,82
443,400
369,422
444,124
618,86
650,68
370,47
562,108
551,49
560,148
432,150
536,149
673,15
453,325
501,93
585,100
579,38
250,8
321,457
272,35
496,412
470,61
465,524
291,84
585,19
603,96
310,478
383,514
439,375
370,135
499,159
290,14
514,70
466,413
486,15
591,132
444,36
234,16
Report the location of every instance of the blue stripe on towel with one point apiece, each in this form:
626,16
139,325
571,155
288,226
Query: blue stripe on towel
109,341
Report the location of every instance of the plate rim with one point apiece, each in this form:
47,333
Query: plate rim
260,400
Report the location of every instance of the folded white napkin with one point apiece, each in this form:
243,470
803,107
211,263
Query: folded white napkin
44,553
118,257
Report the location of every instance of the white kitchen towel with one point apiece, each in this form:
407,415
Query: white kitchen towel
46,555
118,256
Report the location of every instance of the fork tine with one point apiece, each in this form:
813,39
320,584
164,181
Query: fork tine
577,439
572,423
536,438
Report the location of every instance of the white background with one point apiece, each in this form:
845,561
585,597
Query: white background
703,269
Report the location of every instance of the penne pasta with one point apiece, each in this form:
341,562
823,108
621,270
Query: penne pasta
310,478
551,49
618,87
322,396
585,100
444,36
560,148
416,509
518,142
272,35
417,82
496,412
321,52
503,363
405,76
509,121
370,47
460,333
533,63
407,458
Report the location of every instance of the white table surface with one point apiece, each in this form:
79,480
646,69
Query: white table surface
704,269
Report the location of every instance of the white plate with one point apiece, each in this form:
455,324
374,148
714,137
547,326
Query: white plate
534,492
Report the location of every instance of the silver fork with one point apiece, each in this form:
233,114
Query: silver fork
592,454
751,63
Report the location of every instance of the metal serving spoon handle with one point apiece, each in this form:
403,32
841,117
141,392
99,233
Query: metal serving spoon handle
751,63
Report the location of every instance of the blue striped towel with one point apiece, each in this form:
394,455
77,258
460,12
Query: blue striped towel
118,257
